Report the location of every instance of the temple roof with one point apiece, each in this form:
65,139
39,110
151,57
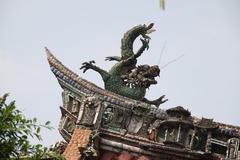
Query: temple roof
65,74
136,113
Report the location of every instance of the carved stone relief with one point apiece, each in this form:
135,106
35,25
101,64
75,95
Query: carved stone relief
115,117
69,125
88,110
75,107
108,115
135,124
232,148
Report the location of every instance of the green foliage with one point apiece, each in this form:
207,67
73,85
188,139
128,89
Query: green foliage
15,130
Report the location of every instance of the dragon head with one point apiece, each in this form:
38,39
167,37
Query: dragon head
141,76
148,30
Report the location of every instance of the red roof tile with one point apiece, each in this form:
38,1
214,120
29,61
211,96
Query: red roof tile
78,142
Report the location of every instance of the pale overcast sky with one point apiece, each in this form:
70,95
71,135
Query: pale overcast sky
205,80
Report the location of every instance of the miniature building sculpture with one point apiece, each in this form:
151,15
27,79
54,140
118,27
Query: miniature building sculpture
111,124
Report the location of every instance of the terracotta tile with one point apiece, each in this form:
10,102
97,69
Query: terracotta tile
79,139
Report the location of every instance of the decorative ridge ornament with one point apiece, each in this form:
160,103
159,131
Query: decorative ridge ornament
125,78
67,77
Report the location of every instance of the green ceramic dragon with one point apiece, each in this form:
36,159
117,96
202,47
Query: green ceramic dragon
124,78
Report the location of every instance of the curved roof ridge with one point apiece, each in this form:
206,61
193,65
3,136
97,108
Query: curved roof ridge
54,62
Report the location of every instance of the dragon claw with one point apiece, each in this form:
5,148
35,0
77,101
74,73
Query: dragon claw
87,65
113,58
160,100
145,42
146,36
109,59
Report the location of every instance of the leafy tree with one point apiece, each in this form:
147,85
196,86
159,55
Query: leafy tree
15,129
